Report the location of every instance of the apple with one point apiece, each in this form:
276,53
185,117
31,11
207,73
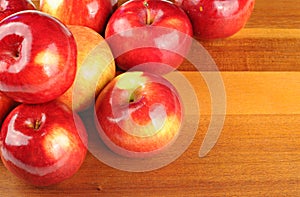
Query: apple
90,13
138,114
217,19
8,7
6,105
155,36
95,68
43,144
37,57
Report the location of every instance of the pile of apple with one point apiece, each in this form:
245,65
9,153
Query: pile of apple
56,64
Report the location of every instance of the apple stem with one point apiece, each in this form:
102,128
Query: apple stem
148,14
36,125
17,54
131,99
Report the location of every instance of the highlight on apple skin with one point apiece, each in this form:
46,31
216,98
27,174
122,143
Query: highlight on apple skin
156,34
41,144
95,68
138,114
217,19
37,57
90,13
9,7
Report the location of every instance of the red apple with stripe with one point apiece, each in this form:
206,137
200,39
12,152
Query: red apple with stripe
138,114
95,68
43,144
90,13
8,7
37,57
149,35
217,19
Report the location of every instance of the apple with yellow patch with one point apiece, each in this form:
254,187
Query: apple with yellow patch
37,57
8,7
138,114
89,13
43,144
95,68
149,35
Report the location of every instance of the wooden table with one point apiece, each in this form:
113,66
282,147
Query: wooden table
258,152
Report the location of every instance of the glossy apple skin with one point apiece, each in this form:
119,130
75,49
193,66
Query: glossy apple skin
41,143
8,7
90,13
95,68
138,114
164,39
37,57
6,105
217,19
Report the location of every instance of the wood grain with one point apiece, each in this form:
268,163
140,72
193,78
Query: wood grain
261,49
258,152
256,155
269,42
251,92
283,14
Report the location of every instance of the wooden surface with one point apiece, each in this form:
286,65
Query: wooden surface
270,40
258,152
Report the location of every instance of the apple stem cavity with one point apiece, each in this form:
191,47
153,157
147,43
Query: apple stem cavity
17,51
135,98
13,46
16,54
148,14
131,99
37,125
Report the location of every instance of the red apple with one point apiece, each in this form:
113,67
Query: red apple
95,68
138,114
43,144
37,57
8,7
149,35
215,19
90,13
6,104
